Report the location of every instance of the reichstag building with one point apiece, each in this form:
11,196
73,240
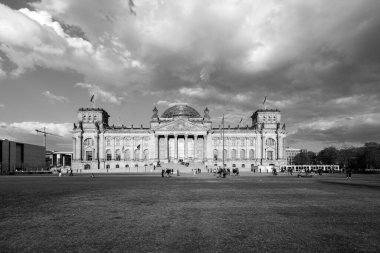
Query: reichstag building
179,135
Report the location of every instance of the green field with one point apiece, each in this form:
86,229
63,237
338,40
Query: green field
191,213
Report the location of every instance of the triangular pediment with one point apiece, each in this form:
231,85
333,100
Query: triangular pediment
181,125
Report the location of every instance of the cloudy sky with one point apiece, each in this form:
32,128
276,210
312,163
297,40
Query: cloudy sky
318,62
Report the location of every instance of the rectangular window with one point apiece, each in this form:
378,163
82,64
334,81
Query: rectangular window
89,155
109,157
270,155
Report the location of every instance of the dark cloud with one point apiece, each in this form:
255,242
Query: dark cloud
317,61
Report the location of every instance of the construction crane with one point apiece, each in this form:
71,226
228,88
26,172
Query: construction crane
46,133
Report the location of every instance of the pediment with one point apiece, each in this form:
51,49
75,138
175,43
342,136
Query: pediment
181,125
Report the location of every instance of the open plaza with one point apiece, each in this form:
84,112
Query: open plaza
190,213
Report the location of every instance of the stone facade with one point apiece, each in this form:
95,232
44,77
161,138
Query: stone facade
181,134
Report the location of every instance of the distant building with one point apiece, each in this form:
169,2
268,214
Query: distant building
290,153
180,134
21,156
59,159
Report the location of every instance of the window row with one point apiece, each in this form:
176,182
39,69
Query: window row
217,154
127,155
89,118
271,119
234,141
128,141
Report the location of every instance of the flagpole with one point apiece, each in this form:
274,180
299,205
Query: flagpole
265,102
223,141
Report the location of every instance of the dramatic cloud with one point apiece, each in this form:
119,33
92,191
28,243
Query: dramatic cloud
169,104
317,61
356,129
62,129
54,98
26,132
98,93
32,38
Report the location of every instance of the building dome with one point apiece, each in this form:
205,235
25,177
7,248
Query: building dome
180,110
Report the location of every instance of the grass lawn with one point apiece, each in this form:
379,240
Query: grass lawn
193,213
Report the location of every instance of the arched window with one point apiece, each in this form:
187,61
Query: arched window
88,155
87,166
118,155
107,166
89,118
137,154
251,154
109,155
233,154
108,142
270,142
88,142
146,155
270,155
215,154
117,166
127,155
242,154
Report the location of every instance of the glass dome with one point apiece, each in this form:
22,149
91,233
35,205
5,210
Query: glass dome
180,110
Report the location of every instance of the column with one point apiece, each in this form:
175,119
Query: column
102,148
97,150
186,148
166,147
205,147
96,153
195,146
74,148
278,146
176,147
157,148
81,147
113,152
262,146
141,148
246,149
227,146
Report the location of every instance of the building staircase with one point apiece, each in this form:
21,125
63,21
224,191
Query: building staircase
183,168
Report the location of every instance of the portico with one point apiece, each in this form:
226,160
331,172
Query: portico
178,146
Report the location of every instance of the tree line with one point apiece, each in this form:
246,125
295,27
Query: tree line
357,158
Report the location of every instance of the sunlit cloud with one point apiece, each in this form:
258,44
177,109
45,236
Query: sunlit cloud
98,93
53,97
